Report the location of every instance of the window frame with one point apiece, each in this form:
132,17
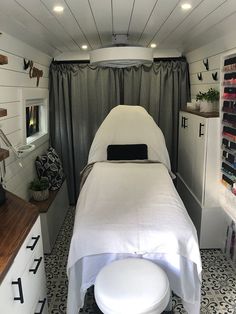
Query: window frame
35,96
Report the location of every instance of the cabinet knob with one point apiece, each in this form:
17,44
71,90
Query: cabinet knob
21,296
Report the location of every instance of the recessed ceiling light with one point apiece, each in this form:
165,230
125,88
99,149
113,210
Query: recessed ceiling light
186,6
58,9
84,47
153,45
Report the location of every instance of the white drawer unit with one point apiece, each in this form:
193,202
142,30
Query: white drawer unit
198,175
23,290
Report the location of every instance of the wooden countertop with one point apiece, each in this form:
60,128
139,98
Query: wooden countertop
214,114
43,206
16,219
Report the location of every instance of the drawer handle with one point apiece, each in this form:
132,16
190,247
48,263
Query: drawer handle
21,296
200,129
42,302
34,244
34,270
185,124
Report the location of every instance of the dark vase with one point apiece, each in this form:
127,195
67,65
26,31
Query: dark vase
2,195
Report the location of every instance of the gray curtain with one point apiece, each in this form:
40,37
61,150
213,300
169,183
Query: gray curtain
82,95
163,89
80,98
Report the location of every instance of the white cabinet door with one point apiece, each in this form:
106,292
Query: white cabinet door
185,148
192,152
199,140
23,290
12,293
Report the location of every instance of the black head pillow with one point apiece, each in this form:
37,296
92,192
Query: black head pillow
127,152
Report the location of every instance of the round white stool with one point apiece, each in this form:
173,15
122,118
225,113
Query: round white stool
132,286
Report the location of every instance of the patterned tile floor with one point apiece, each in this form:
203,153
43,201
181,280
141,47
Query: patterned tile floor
218,286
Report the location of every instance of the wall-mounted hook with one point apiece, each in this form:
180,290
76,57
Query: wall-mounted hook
215,76
26,64
199,76
206,64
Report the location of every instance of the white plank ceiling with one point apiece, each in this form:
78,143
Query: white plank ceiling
93,22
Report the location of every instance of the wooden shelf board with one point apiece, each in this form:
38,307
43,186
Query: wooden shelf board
16,219
4,153
3,59
3,112
213,114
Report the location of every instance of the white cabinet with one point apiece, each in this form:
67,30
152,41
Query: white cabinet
192,148
199,155
23,289
198,174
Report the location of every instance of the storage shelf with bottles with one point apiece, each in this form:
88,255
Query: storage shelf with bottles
228,114
229,79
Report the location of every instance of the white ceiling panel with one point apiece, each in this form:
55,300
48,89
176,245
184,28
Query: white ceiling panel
16,13
84,18
40,12
211,20
68,22
102,13
219,30
176,17
121,11
20,32
140,17
160,14
203,9
92,22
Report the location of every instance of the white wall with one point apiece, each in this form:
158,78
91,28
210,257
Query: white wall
13,78
213,51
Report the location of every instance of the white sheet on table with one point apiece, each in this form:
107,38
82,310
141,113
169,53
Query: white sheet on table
133,208
182,275
129,125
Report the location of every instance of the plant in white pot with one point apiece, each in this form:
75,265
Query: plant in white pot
39,189
209,101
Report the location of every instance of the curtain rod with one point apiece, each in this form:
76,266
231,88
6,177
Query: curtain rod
182,58
70,61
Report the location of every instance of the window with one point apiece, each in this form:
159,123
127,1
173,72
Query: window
32,120
35,116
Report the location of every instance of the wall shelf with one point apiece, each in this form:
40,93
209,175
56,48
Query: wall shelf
3,112
3,60
4,153
228,122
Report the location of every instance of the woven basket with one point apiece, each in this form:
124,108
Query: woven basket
40,195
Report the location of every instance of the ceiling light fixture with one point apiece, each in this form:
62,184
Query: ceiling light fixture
121,56
153,45
84,47
186,6
58,9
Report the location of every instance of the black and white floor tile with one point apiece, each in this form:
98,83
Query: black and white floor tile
218,285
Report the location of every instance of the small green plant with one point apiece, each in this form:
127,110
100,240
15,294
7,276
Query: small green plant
39,184
200,96
211,95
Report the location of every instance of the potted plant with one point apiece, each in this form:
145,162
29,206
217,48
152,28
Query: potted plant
209,100
39,189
